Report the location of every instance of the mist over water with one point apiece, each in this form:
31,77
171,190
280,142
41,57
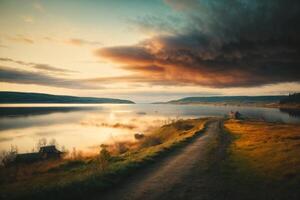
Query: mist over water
88,126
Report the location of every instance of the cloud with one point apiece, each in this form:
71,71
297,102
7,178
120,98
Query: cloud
39,66
12,75
81,42
47,67
21,38
170,93
28,19
152,24
256,43
182,5
38,6
3,46
69,41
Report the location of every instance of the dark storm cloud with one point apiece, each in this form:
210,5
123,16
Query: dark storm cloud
182,5
40,66
234,43
12,75
153,24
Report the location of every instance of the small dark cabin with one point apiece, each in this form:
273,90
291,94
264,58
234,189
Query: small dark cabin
27,158
45,152
50,151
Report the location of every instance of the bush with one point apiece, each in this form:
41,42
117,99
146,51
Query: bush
150,141
76,155
121,147
139,136
103,159
8,157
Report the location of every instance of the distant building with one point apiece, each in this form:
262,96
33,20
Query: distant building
45,152
50,151
235,115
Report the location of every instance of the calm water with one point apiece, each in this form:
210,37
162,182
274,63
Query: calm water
87,126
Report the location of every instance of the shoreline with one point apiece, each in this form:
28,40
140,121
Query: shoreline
258,105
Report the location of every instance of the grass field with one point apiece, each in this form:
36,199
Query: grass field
263,159
271,149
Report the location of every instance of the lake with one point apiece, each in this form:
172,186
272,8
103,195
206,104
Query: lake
86,126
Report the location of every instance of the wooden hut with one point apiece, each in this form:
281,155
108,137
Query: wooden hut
45,152
50,151
27,157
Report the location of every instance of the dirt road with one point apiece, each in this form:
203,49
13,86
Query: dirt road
179,176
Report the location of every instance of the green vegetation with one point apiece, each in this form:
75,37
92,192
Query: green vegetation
76,177
292,98
229,99
292,101
22,97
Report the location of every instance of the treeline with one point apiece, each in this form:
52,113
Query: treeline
230,99
23,97
291,99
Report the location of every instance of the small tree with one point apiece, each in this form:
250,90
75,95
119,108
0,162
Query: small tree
103,158
42,142
7,157
121,147
74,153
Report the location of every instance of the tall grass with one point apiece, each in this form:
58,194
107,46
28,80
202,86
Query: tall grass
272,149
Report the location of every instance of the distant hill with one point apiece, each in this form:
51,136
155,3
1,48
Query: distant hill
229,99
22,97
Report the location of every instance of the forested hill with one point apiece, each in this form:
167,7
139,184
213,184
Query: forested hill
229,99
22,97
291,99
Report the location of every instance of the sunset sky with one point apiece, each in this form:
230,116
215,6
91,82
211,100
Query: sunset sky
150,50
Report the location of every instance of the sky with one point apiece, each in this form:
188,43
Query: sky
149,51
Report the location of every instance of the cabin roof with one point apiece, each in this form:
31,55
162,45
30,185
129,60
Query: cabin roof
49,149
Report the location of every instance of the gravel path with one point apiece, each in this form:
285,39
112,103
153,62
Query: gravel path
179,176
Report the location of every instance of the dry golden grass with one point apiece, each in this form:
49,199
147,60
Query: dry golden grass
272,149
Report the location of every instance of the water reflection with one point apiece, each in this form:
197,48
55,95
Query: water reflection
86,127
28,111
292,112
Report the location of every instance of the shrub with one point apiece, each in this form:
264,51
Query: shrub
121,147
150,141
8,157
76,155
139,136
103,159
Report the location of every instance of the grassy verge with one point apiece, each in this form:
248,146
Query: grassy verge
74,179
263,160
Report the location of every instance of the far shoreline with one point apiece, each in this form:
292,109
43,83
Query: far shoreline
259,105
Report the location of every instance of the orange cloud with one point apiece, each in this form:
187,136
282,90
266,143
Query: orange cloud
21,38
80,42
217,48
178,60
